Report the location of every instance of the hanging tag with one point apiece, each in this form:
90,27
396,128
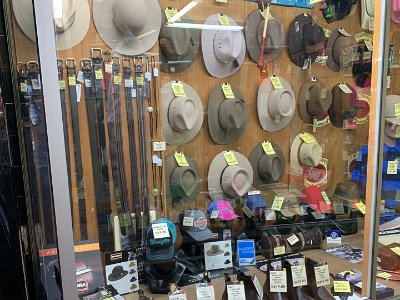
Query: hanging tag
322,275
306,63
317,215
276,82
327,32
251,193
128,83
268,149
308,139
258,287
155,72
392,167
361,207
321,59
278,282
371,24
277,119
24,87
247,211
117,80
293,239
181,159
343,31
205,292
88,83
227,90
159,146
223,20
177,89
108,68
170,12
78,88
280,250
214,214
342,286
140,80
61,85
299,275
72,80
187,221
326,198
230,158
80,77
264,13
397,110
99,74
345,88
147,75
160,230
236,292
368,44
278,202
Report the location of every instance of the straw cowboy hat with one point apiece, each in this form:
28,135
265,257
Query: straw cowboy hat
128,27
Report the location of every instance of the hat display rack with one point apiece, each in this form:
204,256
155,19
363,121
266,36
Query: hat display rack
135,126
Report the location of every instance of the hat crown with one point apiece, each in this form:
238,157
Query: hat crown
235,181
282,103
343,49
228,45
270,168
184,181
317,106
175,42
215,248
130,16
68,16
274,35
310,154
232,114
118,270
313,34
182,114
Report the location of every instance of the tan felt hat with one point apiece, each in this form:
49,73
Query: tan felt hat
304,154
275,42
223,50
275,107
226,181
71,28
128,27
182,116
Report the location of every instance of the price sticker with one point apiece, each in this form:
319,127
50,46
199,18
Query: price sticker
383,275
392,167
227,90
140,80
341,286
159,146
327,32
88,82
307,138
397,109
345,88
177,89
299,275
181,159
24,87
222,1
214,214
180,295
187,221
338,208
61,84
361,207
280,250
170,12
326,198
293,239
205,292
98,74
230,158
223,20
276,82
117,80
236,292
247,211
278,282
108,68
72,80
396,250
278,202
268,149
252,193
322,59
160,230
322,275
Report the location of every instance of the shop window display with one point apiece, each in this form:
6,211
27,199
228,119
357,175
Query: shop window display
234,173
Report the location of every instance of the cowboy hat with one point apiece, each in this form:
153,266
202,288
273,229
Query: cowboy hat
215,250
181,182
367,14
71,28
337,9
117,273
342,109
227,118
391,102
226,181
275,107
304,154
182,116
306,38
253,33
178,46
267,169
128,27
340,50
223,50
314,100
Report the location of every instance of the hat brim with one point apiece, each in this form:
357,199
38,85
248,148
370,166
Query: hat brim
217,166
171,136
169,166
304,114
331,63
264,91
254,158
201,235
159,253
219,135
250,34
125,42
213,65
395,121
115,278
295,165
186,60
23,12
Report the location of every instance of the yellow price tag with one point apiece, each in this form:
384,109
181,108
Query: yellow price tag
170,12
140,80
397,109
396,250
268,149
326,198
177,89
99,74
383,275
223,20
276,82
264,13
345,88
181,159
392,167
342,286
307,138
230,158
61,84
278,202
72,80
327,32
117,79
227,90
361,207
280,250
222,1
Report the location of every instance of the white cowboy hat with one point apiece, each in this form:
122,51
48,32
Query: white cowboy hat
304,154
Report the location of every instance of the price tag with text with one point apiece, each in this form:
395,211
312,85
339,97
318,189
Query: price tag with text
307,138
99,74
72,80
117,80
214,214
361,207
160,230
299,275
278,282
140,81
268,149
276,82
205,292
170,12
322,275
187,221
236,292
177,89
392,167
326,198
293,239
278,202
280,250
341,286
61,84
397,110
383,275
230,158
181,159
345,88
223,20
227,90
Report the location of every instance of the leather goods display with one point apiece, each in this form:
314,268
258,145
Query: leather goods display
390,260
